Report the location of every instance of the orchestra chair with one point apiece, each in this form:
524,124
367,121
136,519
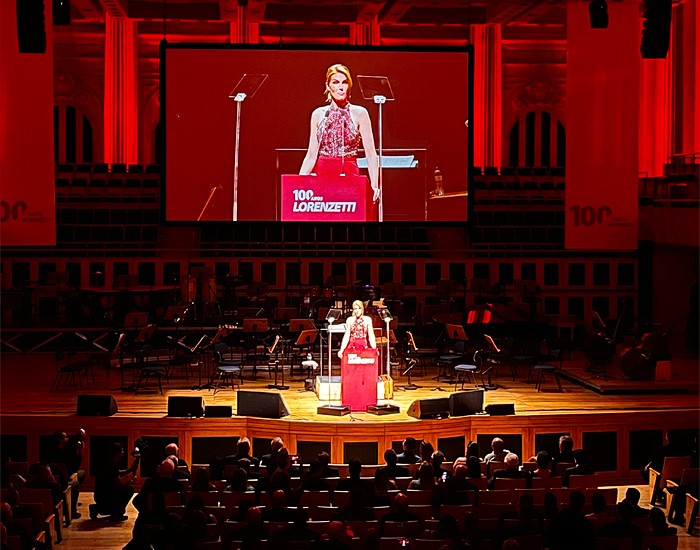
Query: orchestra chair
691,512
52,515
226,369
672,469
463,371
540,371
690,476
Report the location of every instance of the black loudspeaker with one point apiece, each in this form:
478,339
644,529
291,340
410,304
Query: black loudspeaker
500,409
430,408
466,402
218,411
185,406
261,404
60,12
598,14
96,405
31,32
656,34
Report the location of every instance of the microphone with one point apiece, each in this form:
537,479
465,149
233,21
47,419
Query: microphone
342,148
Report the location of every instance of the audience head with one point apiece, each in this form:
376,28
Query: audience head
566,444
598,502
426,473
166,468
60,439
253,515
201,478
243,446
624,510
409,444
632,495
460,471
238,481
244,464
5,512
511,461
510,544
526,499
657,519
472,449
283,458
354,467
576,501
324,458
390,457
474,466
437,458
381,478
497,445
543,460
400,502
315,469
426,450
171,449
278,499
276,444
116,451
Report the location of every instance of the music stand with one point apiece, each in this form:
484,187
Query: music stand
270,351
246,87
456,332
299,325
135,320
307,337
255,324
378,89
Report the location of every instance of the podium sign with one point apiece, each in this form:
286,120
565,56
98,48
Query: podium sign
359,378
326,199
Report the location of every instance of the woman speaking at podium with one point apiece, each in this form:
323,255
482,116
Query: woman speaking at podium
358,361
337,131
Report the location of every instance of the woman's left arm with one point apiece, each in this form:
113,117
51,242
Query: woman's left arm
365,126
370,332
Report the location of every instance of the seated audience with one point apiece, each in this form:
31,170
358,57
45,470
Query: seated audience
565,454
511,471
66,455
659,527
113,486
632,497
498,451
544,463
569,529
40,477
172,451
325,459
162,483
313,481
392,468
425,451
623,527
399,512
243,451
581,467
426,478
201,482
238,482
353,480
408,456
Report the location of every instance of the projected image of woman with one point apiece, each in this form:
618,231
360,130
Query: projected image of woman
337,130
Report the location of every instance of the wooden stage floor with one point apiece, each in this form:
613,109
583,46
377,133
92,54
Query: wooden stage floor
25,389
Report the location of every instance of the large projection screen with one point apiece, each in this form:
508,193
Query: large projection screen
424,127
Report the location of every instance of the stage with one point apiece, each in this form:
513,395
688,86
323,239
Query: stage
31,407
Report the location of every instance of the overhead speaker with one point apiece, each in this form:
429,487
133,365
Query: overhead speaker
185,406
430,408
656,32
464,403
500,409
598,14
218,411
96,405
60,11
261,404
31,32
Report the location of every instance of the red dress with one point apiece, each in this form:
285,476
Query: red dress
359,369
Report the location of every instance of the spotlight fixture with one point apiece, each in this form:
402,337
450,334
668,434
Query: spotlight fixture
598,12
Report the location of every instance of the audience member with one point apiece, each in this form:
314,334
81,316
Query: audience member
436,461
581,467
382,485
65,458
243,451
40,477
325,459
565,454
632,497
570,530
201,482
472,450
313,480
278,511
659,527
474,467
498,451
252,535
353,480
399,512
392,468
238,482
457,489
271,458
425,451
598,504
172,450
544,462
358,509
408,456
426,478
162,483
623,527
511,471
113,486
13,528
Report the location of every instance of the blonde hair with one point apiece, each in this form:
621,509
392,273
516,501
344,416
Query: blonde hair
333,69
359,303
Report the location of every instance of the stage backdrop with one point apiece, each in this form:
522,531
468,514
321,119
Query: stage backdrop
27,188
426,121
602,119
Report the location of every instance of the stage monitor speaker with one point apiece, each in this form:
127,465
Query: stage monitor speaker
96,405
185,406
31,30
430,408
261,404
467,402
218,411
500,409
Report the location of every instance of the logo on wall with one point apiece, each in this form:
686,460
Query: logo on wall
19,211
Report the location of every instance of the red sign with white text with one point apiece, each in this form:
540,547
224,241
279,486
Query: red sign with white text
326,199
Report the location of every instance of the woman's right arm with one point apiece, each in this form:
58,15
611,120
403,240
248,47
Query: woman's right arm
312,151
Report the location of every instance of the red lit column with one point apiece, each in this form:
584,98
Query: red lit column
488,130
121,91
242,31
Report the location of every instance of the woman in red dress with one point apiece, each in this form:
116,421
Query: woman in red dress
359,332
337,130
